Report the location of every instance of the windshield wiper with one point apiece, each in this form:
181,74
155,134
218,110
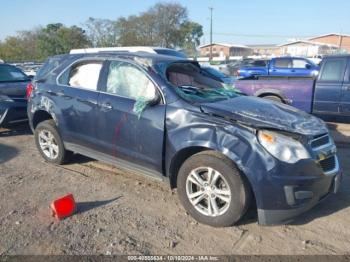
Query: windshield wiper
192,89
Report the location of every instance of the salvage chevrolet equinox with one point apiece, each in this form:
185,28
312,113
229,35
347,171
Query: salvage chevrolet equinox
163,117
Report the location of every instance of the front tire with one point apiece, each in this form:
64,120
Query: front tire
49,143
212,189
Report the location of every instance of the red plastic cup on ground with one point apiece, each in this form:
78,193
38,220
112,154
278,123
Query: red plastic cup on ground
63,207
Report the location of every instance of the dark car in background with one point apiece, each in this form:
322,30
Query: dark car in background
248,63
162,117
218,75
231,68
13,102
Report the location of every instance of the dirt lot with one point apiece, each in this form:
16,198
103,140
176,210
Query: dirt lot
121,213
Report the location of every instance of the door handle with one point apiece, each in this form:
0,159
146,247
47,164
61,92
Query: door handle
60,93
107,106
87,101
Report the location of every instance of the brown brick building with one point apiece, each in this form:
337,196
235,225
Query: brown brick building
340,40
225,50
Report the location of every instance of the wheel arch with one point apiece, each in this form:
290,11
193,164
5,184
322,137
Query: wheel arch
184,153
40,116
272,92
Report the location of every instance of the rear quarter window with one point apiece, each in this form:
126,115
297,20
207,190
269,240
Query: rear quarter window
50,65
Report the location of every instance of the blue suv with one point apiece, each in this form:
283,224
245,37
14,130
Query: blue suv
162,117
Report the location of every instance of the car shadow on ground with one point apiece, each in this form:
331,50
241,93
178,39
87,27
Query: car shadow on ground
7,153
16,130
86,206
80,159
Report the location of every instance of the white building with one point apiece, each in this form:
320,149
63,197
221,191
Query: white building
307,48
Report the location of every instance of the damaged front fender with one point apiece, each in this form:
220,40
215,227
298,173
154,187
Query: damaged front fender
191,132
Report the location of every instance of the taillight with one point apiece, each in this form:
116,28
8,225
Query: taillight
29,90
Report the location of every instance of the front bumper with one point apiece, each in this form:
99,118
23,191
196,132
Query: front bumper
288,190
301,198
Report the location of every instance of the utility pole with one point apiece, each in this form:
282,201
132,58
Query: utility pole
211,33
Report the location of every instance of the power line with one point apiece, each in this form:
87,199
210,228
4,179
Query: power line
260,35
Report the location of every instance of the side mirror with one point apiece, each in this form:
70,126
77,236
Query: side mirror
308,66
141,105
155,101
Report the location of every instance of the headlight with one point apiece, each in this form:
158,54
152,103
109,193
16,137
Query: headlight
282,147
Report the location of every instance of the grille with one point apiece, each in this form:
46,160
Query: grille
320,141
328,164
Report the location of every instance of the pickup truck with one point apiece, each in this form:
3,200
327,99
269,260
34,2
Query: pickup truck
13,102
327,96
281,66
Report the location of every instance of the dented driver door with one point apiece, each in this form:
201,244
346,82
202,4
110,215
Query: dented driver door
128,130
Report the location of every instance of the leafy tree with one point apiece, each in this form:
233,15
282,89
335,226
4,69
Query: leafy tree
137,30
102,32
164,24
191,33
169,18
58,39
21,47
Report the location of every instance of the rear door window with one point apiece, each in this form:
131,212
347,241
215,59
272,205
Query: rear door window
300,63
11,74
333,70
260,63
83,75
283,63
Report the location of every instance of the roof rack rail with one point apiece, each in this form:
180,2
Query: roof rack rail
113,49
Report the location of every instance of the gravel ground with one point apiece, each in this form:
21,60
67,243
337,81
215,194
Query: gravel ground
123,213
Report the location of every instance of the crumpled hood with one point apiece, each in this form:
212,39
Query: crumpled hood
261,113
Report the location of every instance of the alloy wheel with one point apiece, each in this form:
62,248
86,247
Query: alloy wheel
208,191
48,144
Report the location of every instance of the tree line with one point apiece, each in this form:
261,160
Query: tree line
164,25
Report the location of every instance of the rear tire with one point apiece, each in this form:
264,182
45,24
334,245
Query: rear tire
274,98
49,143
219,199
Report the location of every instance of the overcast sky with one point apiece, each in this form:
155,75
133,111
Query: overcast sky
235,21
